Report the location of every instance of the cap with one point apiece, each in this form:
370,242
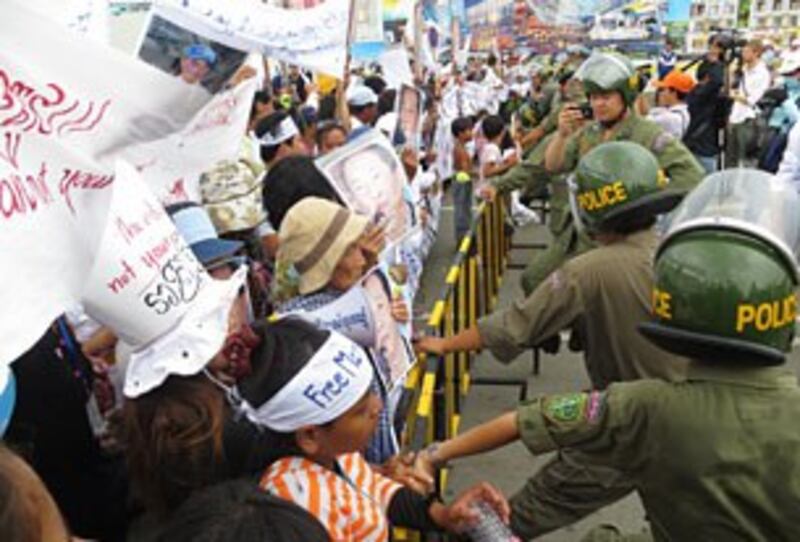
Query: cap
361,95
677,80
200,51
196,227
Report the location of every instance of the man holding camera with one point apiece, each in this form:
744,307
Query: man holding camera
753,83
612,84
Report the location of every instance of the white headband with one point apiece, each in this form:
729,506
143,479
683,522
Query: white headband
287,129
333,380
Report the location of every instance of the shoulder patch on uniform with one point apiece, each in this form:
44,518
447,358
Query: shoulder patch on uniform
571,407
661,141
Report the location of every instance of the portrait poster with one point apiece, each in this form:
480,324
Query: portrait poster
350,314
371,180
394,356
409,113
193,58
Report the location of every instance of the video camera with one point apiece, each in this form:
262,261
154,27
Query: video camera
731,40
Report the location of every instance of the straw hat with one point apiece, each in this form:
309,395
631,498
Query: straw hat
314,235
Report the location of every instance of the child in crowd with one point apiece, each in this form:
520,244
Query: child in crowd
462,179
491,159
313,395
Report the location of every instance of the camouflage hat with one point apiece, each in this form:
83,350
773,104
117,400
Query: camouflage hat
231,194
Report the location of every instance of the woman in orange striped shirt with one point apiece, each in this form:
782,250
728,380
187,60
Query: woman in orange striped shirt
312,393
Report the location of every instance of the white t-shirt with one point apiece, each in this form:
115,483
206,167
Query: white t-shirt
673,119
755,82
490,154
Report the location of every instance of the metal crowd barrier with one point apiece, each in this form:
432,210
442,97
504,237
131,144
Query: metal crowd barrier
438,385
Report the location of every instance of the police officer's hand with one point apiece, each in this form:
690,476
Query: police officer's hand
430,345
488,193
462,513
569,120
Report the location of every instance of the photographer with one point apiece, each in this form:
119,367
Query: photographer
702,135
753,83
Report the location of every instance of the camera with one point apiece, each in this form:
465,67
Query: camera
586,110
731,40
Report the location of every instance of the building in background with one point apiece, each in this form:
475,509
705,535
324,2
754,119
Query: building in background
777,20
704,17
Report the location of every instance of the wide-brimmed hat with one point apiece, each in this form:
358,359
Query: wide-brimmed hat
148,287
196,227
314,236
231,194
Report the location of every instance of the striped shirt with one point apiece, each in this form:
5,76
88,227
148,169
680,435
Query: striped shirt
352,506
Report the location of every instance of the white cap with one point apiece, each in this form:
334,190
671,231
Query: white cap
361,95
148,287
789,66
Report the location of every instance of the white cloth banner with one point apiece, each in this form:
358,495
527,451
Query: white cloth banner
70,108
350,314
314,38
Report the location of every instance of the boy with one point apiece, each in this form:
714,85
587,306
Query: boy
310,391
462,179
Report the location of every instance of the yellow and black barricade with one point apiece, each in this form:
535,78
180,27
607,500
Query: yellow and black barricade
439,384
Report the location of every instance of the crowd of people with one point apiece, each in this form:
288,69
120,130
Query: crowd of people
253,417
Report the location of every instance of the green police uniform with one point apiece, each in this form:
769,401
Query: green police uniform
714,458
611,289
674,158
724,443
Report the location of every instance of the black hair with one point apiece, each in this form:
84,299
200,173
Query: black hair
376,84
324,128
239,510
261,97
285,348
289,181
270,124
327,107
492,60
358,109
492,126
461,124
386,101
174,208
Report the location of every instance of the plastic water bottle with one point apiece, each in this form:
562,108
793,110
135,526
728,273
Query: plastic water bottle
489,527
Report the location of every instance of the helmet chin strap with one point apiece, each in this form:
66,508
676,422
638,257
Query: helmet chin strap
608,124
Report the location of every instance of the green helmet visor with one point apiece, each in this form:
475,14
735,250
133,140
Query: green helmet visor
749,201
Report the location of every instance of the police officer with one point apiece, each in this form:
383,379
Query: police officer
716,457
619,191
611,83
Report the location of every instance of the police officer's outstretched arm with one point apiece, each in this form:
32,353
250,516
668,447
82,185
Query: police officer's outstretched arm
606,424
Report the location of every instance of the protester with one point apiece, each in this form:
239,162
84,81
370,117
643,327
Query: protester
313,275
320,434
235,511
671,112
27,511
330,136
363,105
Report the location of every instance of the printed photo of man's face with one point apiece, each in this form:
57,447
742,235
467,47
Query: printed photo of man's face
372,182
389,344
